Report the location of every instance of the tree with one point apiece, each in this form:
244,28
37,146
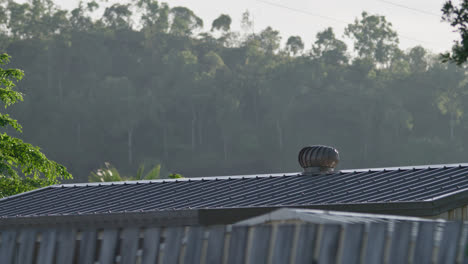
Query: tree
118,16
329,48
269,40
457,16
294,45
417,59
23,167
223,22
80,19
184,21
154,16
373,37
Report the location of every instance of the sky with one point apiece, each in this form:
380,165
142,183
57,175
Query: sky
418,22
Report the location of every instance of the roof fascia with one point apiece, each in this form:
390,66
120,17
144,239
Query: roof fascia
114,220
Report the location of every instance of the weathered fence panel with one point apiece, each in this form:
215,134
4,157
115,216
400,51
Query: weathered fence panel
215,245
26,246
108,247
424,243
47,248
88,247
8,245
173,244
283,244
351,247
194,245
66,246
463,250
448,244
238,245
375,247
129,245
266,243
260,242
151,239
329,243
399,245
306,244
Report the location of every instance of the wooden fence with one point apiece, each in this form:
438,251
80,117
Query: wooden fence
392,242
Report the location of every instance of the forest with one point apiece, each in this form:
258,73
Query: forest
144,83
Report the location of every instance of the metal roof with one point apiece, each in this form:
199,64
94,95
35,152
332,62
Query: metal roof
419,190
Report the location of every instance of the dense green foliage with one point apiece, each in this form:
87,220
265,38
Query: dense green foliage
145,83
457,16
18,159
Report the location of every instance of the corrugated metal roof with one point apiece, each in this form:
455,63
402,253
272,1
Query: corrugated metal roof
372,186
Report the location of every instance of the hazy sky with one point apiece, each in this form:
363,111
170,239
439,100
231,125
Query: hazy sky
305,18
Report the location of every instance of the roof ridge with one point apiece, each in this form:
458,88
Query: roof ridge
417,167
250,176
210,178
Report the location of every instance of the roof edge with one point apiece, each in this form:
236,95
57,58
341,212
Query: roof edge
120,219
25,193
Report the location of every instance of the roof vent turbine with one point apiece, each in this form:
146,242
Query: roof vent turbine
318,159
